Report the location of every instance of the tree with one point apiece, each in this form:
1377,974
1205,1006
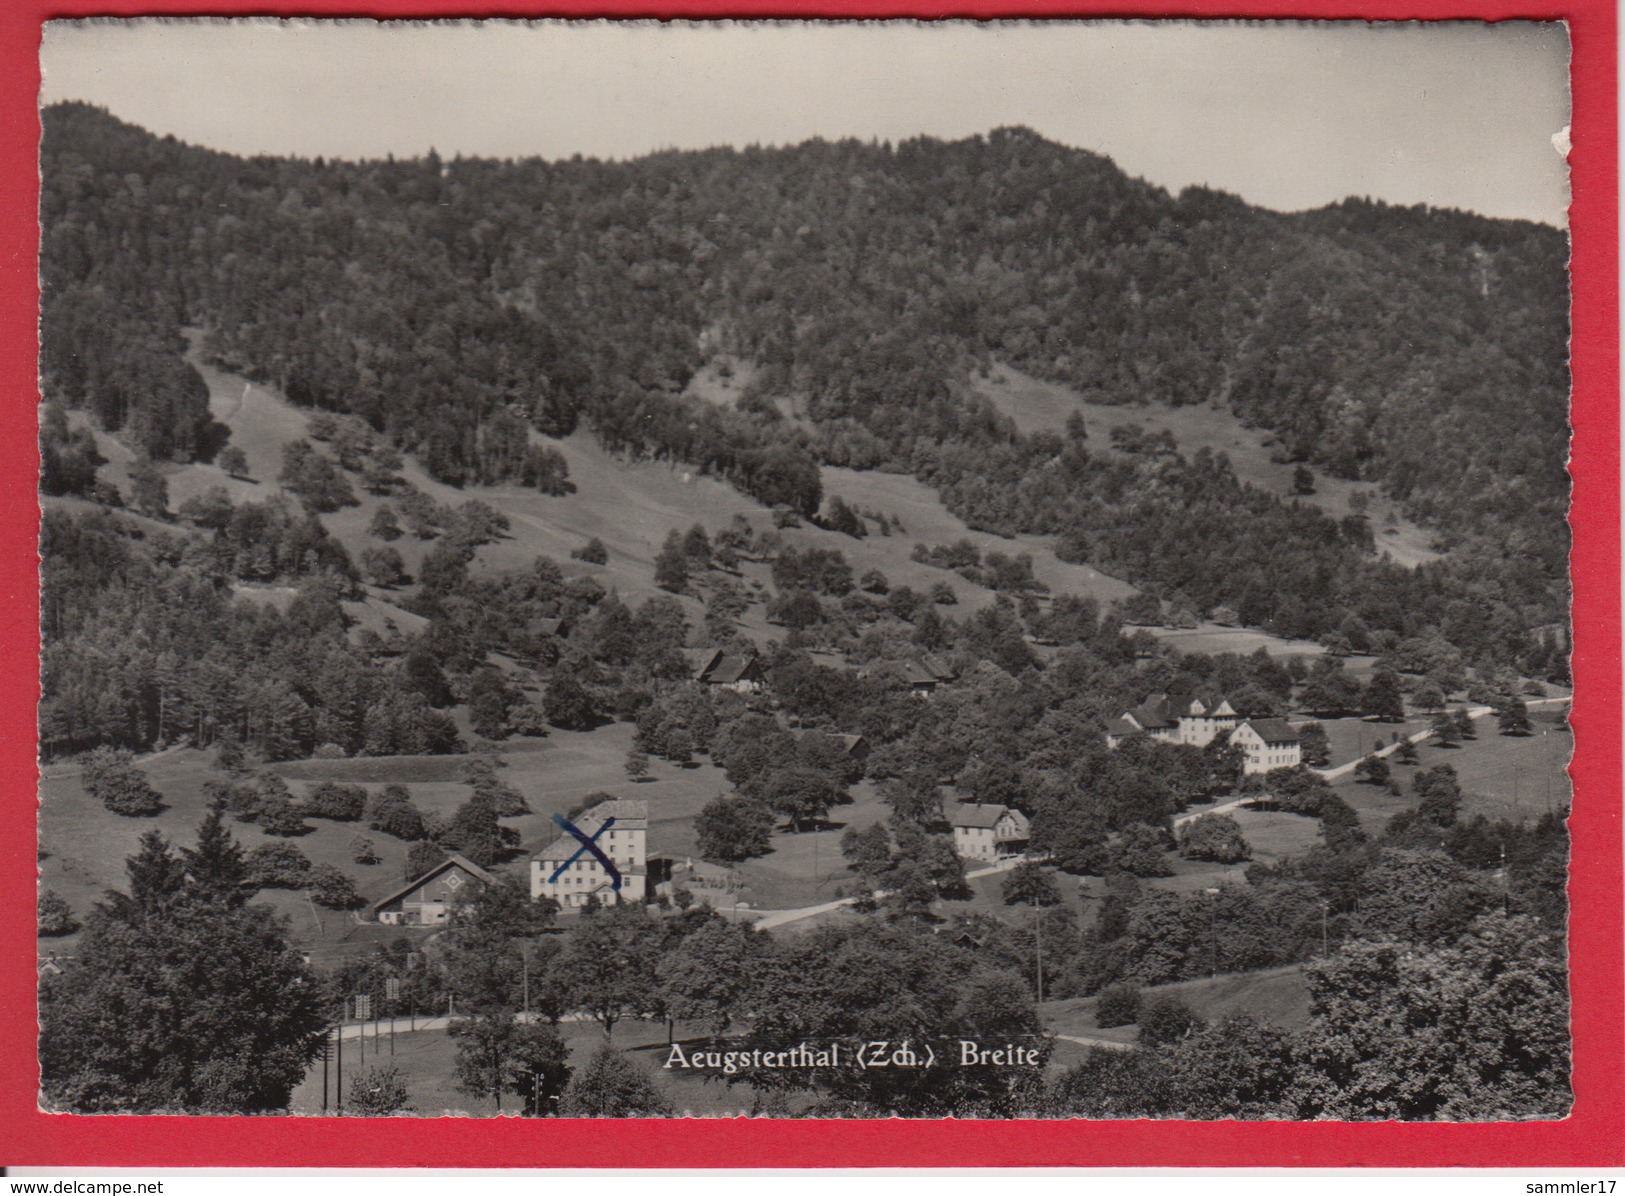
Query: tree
55,916
1373,770
592,552
1215,837
1303,480
420,858
178,999
709,973
1464,725
1140,850
611,1085
1030,884
799,793
1383,698
671,564
637,764
1118,1005
149,492
733,828
234,461
112,778
603,969
363,850
537,1066
1315,746
335,801
1166,1019
278,866
1443,729
1513,717
378,1092
567,704
334,889
475,833
211,510
382,566
1486,1029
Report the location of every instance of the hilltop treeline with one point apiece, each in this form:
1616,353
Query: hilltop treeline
461,306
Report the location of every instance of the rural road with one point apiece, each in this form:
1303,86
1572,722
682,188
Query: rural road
782,917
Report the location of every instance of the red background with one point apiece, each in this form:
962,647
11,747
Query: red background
1591,1135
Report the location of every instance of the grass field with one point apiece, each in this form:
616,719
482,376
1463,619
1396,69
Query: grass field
1502,776
1274,996
1035,405
427,1062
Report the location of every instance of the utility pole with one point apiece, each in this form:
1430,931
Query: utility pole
1038,940
339,1083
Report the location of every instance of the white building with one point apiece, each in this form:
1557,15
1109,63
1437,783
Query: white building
989,832
1174,720
569,872
1268,743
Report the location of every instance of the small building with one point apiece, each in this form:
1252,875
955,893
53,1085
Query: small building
740,673
427,900
569,872
1267,743
989,832
926,674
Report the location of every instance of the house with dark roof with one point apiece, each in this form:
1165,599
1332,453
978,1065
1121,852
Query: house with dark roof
1267,743
740,673
985,831
427,900
569,871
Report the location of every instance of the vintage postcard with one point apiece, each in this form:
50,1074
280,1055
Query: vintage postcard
747,573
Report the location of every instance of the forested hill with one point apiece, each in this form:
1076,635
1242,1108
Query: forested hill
456,304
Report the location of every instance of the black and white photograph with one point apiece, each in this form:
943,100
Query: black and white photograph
805,569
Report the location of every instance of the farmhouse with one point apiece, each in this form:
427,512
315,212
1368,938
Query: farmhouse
1187,720
568,871
428,899
988,832
742,674
1268,743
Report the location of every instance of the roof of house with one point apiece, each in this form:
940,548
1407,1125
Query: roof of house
938,667
630,814
980,815
467,865
544,626
1121,726
1273,730
729,669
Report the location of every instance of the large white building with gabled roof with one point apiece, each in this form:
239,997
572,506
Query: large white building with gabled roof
569,872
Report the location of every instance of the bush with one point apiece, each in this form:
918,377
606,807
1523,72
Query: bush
278,866
378,1092
55,915
393,813
363,850
592,552
112,778
568,705
279,816
1166,1020
1118,1005
1215,837
340,803
334,889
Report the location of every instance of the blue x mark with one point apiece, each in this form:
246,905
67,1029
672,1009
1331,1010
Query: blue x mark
588,844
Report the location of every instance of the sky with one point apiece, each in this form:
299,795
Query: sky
1288,115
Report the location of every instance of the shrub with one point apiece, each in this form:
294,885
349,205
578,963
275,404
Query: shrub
278,866
339,803
279,816
363,850
393,813
592,552
1215,837
112,778
1166,1020
334,889
1118,1005
55,915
